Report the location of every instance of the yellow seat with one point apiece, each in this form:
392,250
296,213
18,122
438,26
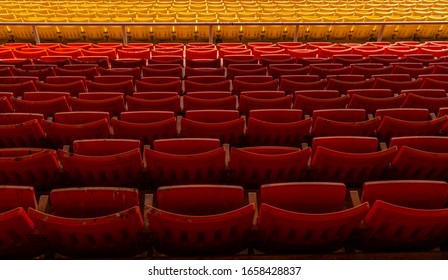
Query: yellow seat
164,32
315,32
187,32
338,32
73,32
5,30
288,30
249,32
364,12
361,32
114,32
203,31
96,32
228,32
391,31
432,31
271,32
7,16
142,32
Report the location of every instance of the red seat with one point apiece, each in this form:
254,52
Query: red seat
209,211
234,70
431,103
240,86
369,71
203,63
46,107
21,130
74,88
5,106
145,126
407,114
44,95
420,158
17,88
64,79
185,161
413,72
191,86
223,52
16,228
279,70
344,86
371,104
340,115
103,162
396,86
434,93
110,53
134,54
127,63
277,127
309,104
126,87
166,59
154,101
409,230
349,59
29,166
247,103
238,59
325,127
113,104
113,79
41,74
225,125
268,59
254,166
219,100
306,217
164,70
374,93
113,237
200,53
76,126
351,160
155,85
429,83
290,86
134,72
189,72
89,72
391,127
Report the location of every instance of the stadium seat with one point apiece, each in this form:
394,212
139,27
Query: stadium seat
289,211
225,125
277,127
102,102
104,162
254,166
185,161
408,114
309,104
145,126
154,101
371,104
209,211
214,100
21,130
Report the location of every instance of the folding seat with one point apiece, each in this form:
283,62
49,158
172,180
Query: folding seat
21,130
154,84
367,51
290,86
254,166
127,63
134,72
46,107
234,70
126,87
393,77
348,59
203,63
85,62
16,226
233,45
44,95
90,215
40,74
391,127
29,166
109,53
73,53
419,218
327,127
166,59
279,70
324,69
433,104
247,83
223,52
185,161
112,102
413,72
435,76
202,53
306,217
300,53
167,51
340,115
268,59
247,103
210,85
277,127
209,211
429,83
74,88
189,72
407,114
344,86
76,126
213,100
309,104
17,62
386,59
14,85
165,70
134,54
5,106
154,101
225,125
332,51
103,162
363,69
145,126
322,94
30,54
88,73
349,159
397,86
401,52
371,104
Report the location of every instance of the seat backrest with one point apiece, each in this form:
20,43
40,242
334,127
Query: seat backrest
16,196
